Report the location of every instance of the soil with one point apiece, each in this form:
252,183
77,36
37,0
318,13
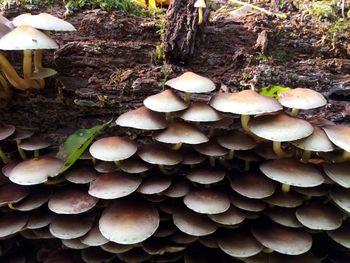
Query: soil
108,65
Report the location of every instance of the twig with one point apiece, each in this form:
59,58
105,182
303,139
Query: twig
258,8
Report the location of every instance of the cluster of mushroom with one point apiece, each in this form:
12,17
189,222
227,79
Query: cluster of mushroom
23,33
204,189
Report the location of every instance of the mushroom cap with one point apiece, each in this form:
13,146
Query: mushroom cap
341,235
34,143
338,172
142,118
301,98
252,185
233,216
181,132
154,184
71,201
35,171
165,101
247,204
74,243
116,248
179,188
113,148
342,199
288,241
245,102
94,237
43,21
26,37
211,148
283,216
291,172
70,226
280,127
200,112
40,218
339,135
134,165
192,83
192,223
129,222
238,243
206,175
318,216
190,156
317,141
114,185
4,29
37,198
11,223
207,201
159,154
6,131
236,140
285,199
81,175
6,22
12,193
200,3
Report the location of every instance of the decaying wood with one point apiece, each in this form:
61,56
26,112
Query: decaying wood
180,31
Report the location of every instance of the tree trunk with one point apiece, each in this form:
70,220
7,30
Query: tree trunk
180,31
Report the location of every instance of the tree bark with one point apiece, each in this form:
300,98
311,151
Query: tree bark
180,31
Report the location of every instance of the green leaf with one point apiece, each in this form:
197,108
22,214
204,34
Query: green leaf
77,143
273,91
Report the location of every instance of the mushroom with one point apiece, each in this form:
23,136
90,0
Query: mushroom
338,172
206,175
190,82
23,38
285,199
341,235
301,99
200,4
70,226
12,193
154,184
5,132
94,237
36,198
212,150
20,135
11,223
245,103
231,217
340,136
34,144
283,216
280,128
201,112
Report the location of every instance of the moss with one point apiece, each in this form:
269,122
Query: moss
340,26
321,9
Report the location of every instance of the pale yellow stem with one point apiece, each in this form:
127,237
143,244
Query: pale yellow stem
200,15
177,146
5,159
38,55
168,116
295,112
285,188
163,170
231,154
27,64
187,98
244,122
278,150
20,151
306,156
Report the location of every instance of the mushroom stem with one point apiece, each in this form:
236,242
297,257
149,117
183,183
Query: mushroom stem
231,154
212,161
267,250
285,188
117,164
27,64
38,54
36,153
12,76
342,158
168,116
306,156
10,205
56,180
177,146
20,151
294,112
200,15
278,150
93,161
187,98
5,159
244,122
211,131
163,170
246,166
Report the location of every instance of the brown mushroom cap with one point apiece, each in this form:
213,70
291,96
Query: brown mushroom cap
288,241
190,156
40,218
34,143
317,191
301,98
183,238
339,135
305,258
142,118
285,199
252,185
341,235
11,223
233,216
291,172
245,102
319,216
105,167
134,165
26,37
283,216
247,204
338,172
192,223
6,131
113,148
207,201
70,226
154,184
241,244
71,201
81,175
21,134
166,101
96,255
236,140
114,185
129,222
116,248
206,175
159,154
191,82
200,112
211,148
181,132
37,198
94,237
43,21
178,188
317,141
35,171
12,193
74,243
341,198
280,127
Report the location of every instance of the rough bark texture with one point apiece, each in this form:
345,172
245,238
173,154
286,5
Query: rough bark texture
180,31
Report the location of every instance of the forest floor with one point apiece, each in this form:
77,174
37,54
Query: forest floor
110,64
